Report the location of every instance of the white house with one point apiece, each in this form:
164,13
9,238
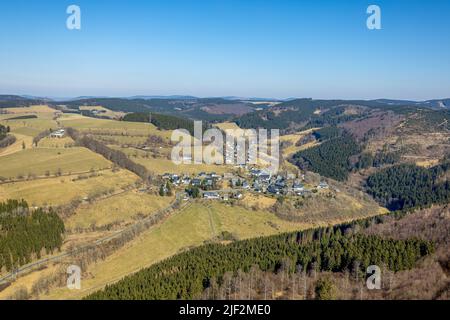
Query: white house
58,133
211,195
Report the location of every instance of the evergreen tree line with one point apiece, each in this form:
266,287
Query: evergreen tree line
299,114
368,160
327,133
162,121
329,159
24,117
115,156
334,249
26,233
332,118
408,186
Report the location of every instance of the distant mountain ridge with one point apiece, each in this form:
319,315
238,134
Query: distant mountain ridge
239,109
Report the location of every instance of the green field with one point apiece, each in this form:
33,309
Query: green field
38,161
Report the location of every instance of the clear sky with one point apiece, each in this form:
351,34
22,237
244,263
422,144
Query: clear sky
265,48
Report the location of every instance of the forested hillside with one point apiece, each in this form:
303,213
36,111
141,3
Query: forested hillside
426,281
208,109
431,120
407,186
12,101
309,113
327,133
162,121
26,233
367,160
186,275
329,159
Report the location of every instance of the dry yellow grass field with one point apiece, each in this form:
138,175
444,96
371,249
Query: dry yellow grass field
55,142
17,146
258,200
191,227
123,140
427,163
30,110
61,190
293,139
116,127
227,126
161,166
27,281
163,163
104,111
30,127
327,207
38,161
117,209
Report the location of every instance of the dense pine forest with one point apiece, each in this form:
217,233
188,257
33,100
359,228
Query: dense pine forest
331,158
408,186
12,101
327,133
335,249
367,160
26,233
162,121
302,113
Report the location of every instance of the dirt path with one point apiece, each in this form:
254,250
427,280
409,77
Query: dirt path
211,222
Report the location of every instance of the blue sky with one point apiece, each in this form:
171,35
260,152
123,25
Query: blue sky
266,48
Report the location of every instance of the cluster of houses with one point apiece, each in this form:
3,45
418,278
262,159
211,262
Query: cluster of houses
256,180
277,185
204,180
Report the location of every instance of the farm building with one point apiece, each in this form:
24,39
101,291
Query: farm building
58,133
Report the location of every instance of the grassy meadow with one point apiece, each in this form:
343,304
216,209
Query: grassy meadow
118,209
39,161
56,191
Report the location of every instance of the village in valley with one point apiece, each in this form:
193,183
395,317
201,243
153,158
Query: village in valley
158,150
212,186
233,185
